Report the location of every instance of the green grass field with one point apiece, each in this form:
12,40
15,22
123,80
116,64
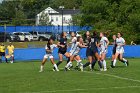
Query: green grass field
23,77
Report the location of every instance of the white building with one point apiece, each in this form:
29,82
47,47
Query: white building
55,16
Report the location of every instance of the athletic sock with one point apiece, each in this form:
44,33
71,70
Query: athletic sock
114,62
0,61
58,63
6,60
93,64
79,63
68,59
111,63
100,64
87,64
104,64
68,64
56,67
41,68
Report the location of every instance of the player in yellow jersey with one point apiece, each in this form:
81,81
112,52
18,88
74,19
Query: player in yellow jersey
2,52
10,49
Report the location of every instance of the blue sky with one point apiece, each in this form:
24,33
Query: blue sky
1,1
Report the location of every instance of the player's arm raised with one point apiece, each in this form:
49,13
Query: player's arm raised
82,45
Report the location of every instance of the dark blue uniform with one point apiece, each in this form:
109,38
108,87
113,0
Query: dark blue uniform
92,48
114,47
63,41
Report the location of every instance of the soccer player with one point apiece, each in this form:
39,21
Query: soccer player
2,52
104,42
49,50
114,49
62,45
10,48
74,53
73,42
120,50
92,52
86,37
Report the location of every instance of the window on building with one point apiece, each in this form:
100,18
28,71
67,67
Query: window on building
52,19
48,11
56,18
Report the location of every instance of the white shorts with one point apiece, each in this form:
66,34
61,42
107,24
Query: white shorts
103,51
120,50
48,56
74,53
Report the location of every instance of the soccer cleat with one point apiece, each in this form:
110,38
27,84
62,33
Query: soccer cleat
91,69
105,69
57,69
11,62
112,66
90,66
41,71
81,68
101,69
127,63
54,69
66,69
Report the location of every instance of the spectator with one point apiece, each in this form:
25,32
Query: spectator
2,52
10,48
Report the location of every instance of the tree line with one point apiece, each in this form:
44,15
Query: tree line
110,16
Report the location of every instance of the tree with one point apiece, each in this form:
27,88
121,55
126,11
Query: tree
20,18
44,19
113,15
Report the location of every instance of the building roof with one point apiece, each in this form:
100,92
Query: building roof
66,11
52,11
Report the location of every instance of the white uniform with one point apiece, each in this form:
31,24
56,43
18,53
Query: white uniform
75,49
119,48
103,46
49,54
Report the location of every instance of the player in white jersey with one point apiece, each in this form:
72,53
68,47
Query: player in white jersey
120,42
74,53
49,50
103,45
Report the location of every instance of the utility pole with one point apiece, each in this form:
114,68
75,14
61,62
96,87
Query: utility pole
62,7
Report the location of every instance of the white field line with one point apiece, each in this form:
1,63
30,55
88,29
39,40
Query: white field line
110,75
115,76
73,90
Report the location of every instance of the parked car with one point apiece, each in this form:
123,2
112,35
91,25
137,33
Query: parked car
6,37
52,35
28,36
40,36
14,37
20,35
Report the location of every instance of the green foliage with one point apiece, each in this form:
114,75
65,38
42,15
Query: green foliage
68,4
103,15
44,19
113,15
